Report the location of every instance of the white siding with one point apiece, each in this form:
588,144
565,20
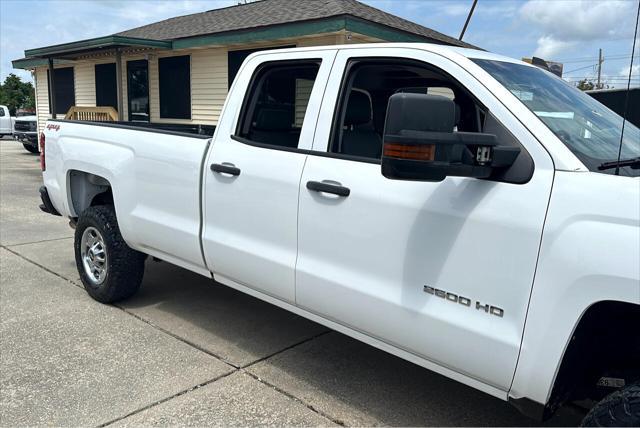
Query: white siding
303,93
125,102
209,84
85,84
42,97
331,39
154,90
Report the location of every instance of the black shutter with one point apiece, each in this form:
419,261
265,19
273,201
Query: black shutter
65,89
175,87
106,86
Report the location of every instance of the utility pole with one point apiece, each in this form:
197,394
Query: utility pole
466,23
600,61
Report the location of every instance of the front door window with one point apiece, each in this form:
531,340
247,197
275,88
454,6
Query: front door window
138,90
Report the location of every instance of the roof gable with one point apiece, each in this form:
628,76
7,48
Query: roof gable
246,23
277,12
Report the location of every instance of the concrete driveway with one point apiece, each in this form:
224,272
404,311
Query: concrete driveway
186,351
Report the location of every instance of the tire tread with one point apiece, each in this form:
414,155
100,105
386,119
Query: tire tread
620,408
30,148
125,266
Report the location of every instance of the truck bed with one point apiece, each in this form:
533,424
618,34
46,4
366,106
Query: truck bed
155,175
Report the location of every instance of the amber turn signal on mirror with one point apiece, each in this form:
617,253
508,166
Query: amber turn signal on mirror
421,152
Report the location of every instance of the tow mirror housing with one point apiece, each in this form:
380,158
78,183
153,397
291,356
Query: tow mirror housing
420,144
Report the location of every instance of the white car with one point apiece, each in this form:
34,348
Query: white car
25,130
491,235
6,121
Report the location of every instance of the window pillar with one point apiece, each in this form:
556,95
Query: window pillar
52,89
119,82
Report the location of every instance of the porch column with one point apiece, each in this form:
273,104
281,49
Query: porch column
52,89
119,82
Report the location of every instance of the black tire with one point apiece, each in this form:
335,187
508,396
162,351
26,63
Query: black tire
30,148
619,409
124,266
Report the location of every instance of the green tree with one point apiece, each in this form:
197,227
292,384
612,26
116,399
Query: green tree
585,85
15,94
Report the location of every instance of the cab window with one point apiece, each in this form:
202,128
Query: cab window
276,103
368,84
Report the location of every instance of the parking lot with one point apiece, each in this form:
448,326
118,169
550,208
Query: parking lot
186,350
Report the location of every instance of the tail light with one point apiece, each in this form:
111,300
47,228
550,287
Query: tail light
43,163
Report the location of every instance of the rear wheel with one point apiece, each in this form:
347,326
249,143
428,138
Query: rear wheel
619,409
31,148
110,271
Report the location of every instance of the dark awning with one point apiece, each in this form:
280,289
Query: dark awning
70,51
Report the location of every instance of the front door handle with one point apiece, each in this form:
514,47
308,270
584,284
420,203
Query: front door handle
225,168
328,187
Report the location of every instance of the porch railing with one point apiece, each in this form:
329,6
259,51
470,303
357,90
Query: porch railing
92,114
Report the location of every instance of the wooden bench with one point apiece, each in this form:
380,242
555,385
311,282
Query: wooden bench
92,114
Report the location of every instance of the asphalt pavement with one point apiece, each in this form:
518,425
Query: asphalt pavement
185,350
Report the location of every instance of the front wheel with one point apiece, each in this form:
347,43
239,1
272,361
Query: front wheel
30,148
110,271
618,409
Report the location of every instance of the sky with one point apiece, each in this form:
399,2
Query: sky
568,31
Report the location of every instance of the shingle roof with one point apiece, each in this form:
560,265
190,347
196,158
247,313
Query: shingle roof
276,12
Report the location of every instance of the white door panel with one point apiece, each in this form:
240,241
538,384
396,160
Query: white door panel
250,230
5,121
364,259
251,233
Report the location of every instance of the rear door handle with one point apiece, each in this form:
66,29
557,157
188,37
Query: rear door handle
328,187
225,168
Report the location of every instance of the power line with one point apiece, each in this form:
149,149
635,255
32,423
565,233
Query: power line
587,57
608,58
581,68
591,58
603,77
606,76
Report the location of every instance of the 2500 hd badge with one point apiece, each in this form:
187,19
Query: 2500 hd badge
464,301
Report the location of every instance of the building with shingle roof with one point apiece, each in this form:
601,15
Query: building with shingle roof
251,16
178,71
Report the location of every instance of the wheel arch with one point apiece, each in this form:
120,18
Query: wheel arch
87,189
600,345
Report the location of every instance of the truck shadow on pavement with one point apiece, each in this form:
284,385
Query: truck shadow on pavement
351,382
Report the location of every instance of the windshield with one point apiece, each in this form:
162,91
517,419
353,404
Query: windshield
588,128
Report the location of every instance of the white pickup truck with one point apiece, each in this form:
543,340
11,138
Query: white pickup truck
25,130
6,121
464,211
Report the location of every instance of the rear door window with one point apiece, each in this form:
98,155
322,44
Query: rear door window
275,107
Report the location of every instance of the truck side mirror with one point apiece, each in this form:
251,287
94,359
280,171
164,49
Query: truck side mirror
420,144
